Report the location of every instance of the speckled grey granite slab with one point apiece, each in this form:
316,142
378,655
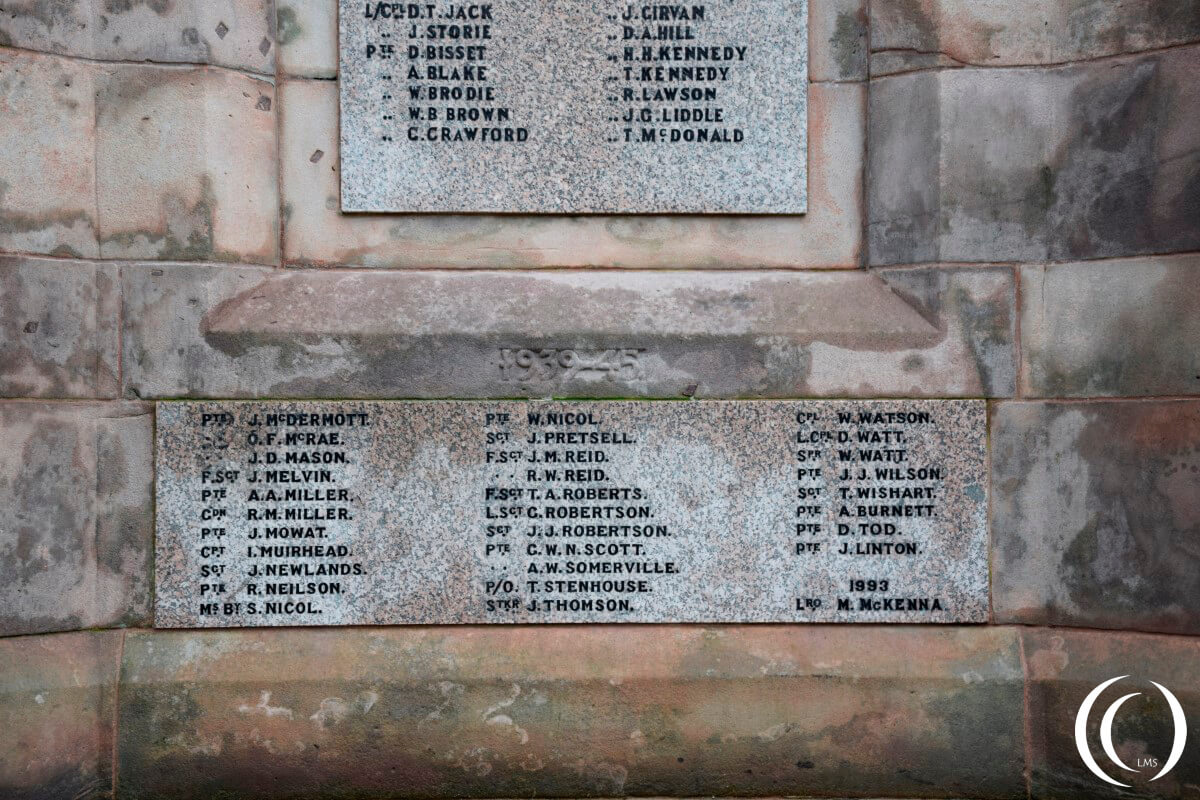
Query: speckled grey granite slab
340,513
562,106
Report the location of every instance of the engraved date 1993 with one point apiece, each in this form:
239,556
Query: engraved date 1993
527,365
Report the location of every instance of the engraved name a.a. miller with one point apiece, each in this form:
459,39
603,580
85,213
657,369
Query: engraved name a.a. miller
328,513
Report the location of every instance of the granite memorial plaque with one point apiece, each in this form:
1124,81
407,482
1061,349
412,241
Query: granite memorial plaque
337,513
560,106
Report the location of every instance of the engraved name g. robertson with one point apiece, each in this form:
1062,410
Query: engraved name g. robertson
319,513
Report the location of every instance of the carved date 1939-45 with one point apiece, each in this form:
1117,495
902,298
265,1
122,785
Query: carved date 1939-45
526,365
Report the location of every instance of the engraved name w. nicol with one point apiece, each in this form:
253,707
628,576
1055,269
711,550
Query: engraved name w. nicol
320,513
552,107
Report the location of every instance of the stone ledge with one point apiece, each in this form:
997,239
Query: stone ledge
76,487
907,36
1094,514
201,331
58,714
133,161
1081,162
317,234
230,33
58,333
572,712
1116,328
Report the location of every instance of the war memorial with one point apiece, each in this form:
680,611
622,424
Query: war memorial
564,399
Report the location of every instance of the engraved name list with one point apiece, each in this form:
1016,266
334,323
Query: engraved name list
454,512
535,106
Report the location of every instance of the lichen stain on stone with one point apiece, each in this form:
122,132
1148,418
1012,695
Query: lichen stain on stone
288,23
50,13
264,708
160,7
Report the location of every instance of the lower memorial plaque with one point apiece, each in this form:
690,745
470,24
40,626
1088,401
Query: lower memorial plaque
360,513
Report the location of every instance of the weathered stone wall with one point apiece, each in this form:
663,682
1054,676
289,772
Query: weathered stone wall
1004,203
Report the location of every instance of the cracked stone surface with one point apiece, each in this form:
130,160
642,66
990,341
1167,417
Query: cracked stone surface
965,166
59,331
920,34
136,161
228,33
1095,514
1119,328
75,550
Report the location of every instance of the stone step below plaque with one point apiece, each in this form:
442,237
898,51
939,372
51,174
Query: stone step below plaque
360,513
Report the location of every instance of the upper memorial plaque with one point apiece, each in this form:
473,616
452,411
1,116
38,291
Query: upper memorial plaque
561,106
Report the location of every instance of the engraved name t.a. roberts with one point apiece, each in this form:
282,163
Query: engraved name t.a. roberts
331,513
536,107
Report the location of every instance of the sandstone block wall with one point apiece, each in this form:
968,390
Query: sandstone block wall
1004,204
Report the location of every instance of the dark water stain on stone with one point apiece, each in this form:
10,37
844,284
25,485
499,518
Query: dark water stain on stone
1134,554
921,27
1138,353
849,42
15,223
49,504
72,784
197,218
50,13
1110,168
